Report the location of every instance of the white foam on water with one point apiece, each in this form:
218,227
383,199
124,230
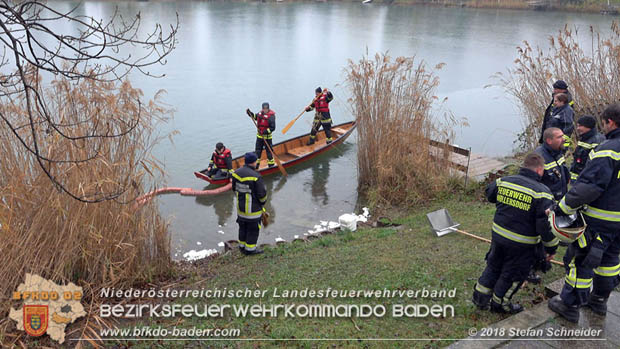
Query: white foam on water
221,232
194,255
221,244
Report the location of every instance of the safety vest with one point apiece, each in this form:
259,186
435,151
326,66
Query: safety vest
262,120
321,103
220,159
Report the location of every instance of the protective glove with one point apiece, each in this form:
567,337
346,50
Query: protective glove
249,112
308,109
593,258
266,132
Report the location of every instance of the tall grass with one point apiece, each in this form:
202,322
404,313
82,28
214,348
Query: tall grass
393,103
46,232
592,74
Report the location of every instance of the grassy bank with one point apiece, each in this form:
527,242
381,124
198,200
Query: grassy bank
407,257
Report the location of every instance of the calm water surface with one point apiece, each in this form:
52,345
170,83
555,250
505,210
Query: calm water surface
233,56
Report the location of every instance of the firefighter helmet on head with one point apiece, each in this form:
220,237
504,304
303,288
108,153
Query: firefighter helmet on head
567,228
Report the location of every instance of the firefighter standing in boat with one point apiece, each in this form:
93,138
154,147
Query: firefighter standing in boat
589,138
221,162
520,223
266,124
322,116
596,193
251,198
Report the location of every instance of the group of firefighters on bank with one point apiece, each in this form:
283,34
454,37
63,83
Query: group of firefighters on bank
247,183
546,203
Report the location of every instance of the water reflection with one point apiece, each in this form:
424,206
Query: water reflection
318,190
223,205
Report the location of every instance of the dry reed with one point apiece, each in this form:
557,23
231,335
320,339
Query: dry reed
393,102
46,232
591,73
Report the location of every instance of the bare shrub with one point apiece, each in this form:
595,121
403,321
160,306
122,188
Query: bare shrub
46,232
392,101
591,72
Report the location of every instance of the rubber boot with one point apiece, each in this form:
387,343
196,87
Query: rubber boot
598,304
569,312
252,252
533,278
257,164
509,308
310,141
480,299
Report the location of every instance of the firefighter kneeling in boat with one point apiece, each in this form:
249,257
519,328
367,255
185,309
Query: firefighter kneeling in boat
596,193
519,224
221,162
251,198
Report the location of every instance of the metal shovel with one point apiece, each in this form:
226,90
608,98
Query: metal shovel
442,224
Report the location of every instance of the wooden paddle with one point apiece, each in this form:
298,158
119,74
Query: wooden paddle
275,157
290,124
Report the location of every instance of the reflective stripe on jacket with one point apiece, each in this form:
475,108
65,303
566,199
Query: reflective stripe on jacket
250,192
521,201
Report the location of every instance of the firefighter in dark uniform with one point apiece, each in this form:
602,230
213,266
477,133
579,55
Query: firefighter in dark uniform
322,116
520,223
596,194
556,177
251,198
558,87
266,123
556,174
221,162
589,138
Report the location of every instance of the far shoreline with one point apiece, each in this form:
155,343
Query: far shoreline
598,6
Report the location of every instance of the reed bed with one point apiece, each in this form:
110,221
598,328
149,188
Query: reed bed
393,102
112,243
592,74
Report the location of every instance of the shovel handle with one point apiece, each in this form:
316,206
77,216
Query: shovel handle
489,241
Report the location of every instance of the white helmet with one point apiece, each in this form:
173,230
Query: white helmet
567,228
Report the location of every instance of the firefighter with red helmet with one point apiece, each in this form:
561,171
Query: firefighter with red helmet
266,124
322,116
221,162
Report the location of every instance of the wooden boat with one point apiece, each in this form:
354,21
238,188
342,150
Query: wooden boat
291,152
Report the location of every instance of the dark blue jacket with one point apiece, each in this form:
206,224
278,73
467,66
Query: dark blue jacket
598,187
549,111
520,218
556,174
251,193
562,118
587,142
